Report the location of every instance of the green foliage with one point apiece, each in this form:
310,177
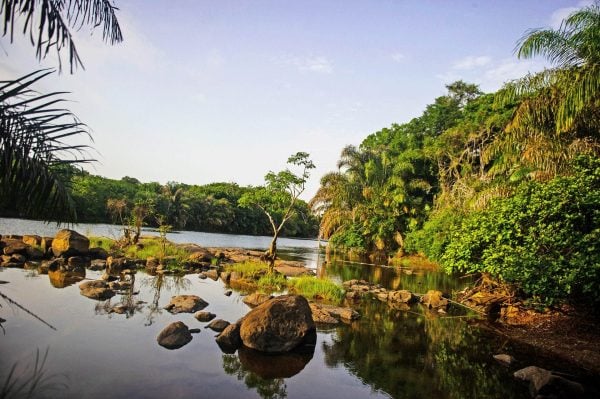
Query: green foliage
249,269
545,238
316,288
350,238
154,247
272,282
102,242
433,238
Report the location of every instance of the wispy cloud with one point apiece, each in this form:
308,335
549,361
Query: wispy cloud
472,62
557,16
316,64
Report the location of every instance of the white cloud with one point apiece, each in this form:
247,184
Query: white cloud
559,15
398,57
472,62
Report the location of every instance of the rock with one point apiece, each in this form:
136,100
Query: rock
346,314
68,243
217,325
225,276
278,325
504,359
34,253
434,299
228,293
174,336
115,265
229,340
256,298
186,304
382,296
195,331
78,262
202,276
94,291
47,245
542,383
98,253
200,255
32,240
55,264
204,316
402,296
14,258
212,274
321,316
97,265
14,247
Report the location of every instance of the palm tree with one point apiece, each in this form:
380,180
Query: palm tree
558,112
33,151
48,24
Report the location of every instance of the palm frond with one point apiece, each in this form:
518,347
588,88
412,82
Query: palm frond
32,150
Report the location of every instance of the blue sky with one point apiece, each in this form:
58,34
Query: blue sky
205,91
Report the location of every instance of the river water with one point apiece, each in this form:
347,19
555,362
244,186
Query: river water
86,352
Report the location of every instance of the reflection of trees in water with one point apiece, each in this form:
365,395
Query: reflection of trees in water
158,283
267,388
408,355
127,303
32,380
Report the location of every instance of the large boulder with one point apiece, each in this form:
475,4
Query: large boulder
186,304
70,243
278,325
174,336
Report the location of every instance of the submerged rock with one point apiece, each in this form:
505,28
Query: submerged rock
543,383
96,289
186,304
218,325
204,316
174,336
229,340
278,325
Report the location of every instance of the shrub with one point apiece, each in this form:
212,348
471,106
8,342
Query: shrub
545,238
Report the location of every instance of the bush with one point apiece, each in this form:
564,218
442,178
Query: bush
545,238
249,269
433,238
350,238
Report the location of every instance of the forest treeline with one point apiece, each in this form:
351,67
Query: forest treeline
210,208
506,183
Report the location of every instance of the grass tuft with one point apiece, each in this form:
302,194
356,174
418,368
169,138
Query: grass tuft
316,288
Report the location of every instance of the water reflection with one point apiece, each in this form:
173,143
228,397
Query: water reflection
274,388
158,284
62,278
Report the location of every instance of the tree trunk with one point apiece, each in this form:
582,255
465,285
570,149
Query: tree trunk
272,254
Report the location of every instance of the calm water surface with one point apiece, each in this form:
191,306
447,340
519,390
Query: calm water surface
92,353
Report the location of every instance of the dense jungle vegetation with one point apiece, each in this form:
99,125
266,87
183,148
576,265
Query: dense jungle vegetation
211,208
506,183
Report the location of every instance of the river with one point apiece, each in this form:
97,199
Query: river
387,353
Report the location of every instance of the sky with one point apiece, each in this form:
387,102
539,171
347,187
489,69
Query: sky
211,91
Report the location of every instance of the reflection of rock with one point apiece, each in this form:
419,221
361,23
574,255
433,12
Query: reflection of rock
96,289
69,242
186,304
256,298
174,336
543,383
62,279
278,325
97,264
269,366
